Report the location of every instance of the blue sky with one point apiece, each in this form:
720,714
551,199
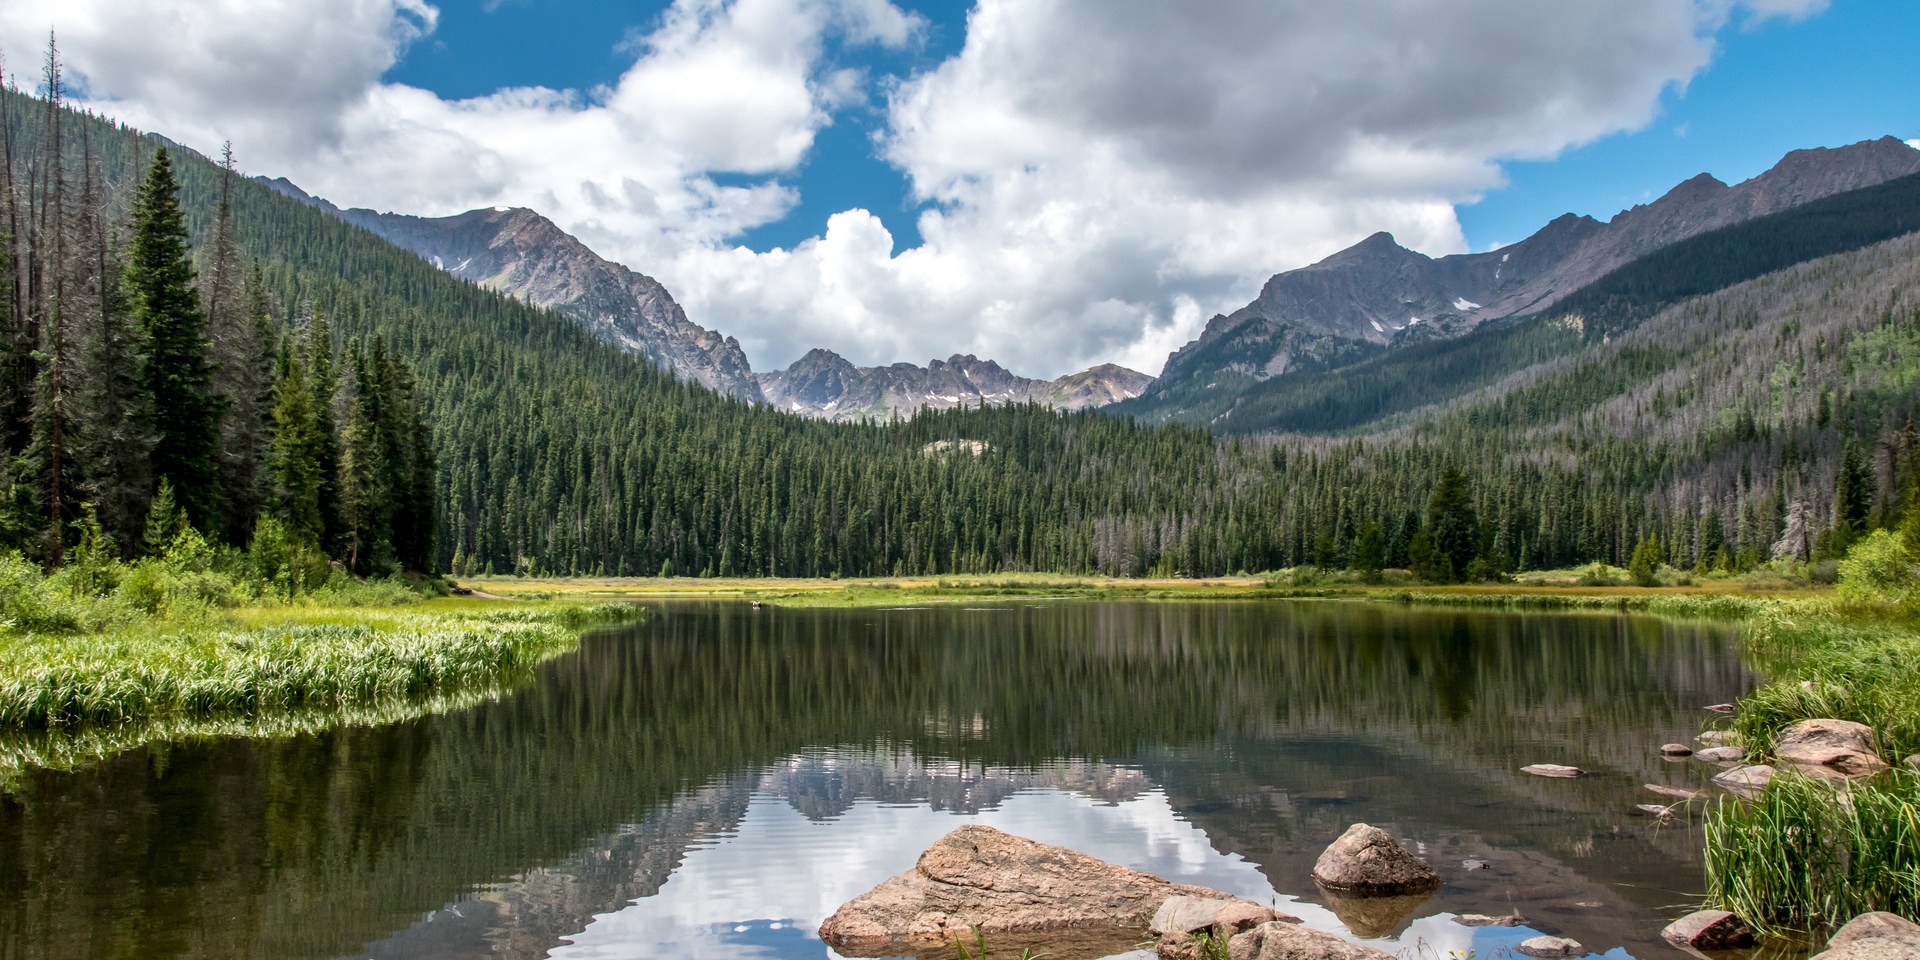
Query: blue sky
1049,183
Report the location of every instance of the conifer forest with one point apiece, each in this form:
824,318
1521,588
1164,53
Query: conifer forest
185,345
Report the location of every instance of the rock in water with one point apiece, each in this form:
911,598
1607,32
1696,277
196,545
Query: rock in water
1482,920
1548,948
980,880
1709,930
1836,744
1182,919
1675,750
1721,754
1680,792
1368,862
1719,738
1874,936
1552,770
1288,941
1746,781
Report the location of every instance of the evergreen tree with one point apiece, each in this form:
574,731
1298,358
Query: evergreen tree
1369,553
1453,528
176,378
1645,565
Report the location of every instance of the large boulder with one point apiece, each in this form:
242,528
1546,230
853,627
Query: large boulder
978,881
1840,745
1368,862
1182,920
1874,936
1289,941
1709,930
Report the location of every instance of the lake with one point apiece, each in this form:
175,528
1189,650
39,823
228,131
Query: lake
716,781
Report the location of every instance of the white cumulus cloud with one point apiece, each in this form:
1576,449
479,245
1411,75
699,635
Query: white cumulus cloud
1099,176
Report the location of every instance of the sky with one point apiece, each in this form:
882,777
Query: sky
1048,183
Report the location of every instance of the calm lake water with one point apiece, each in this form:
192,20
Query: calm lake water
717,781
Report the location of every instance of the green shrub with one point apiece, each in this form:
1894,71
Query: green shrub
1879,570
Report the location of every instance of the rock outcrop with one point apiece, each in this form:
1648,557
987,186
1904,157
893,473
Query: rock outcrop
1181,922
978,880
826,386
1709,930
1841,746
1874,936
1366,861
1287,941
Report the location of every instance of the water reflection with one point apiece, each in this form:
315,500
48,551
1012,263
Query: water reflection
717,781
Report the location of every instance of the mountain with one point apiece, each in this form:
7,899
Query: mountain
520,253
1379,295
826,385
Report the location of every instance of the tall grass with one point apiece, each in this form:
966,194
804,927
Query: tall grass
206,672
1809,855
1804,857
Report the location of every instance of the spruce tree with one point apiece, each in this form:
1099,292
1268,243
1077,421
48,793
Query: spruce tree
1452,526
176,381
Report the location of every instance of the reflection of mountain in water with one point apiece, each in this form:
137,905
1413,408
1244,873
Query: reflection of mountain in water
498,830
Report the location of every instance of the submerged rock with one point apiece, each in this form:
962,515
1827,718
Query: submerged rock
1718,738
1551,770
1840,745
1482,920
1548,948
1675,750
1681,793
1747,782
1722,754
1368,862
1709,930
1874,936
1287,941
1655,809
980,881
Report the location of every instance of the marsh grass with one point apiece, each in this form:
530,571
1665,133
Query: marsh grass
231,671
1808,856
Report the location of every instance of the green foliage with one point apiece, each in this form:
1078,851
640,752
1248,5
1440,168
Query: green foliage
1644,568
1880,570
1453,528
1804,858
1369,553
176,377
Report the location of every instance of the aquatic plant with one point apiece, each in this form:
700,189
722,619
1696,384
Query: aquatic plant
1809,855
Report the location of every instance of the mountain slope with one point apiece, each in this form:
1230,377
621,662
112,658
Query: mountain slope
520,253
823,384
1379,293
1373,392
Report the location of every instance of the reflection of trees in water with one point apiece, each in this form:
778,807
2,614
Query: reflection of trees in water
316,845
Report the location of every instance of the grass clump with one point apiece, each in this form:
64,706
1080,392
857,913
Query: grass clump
227,671
1807,856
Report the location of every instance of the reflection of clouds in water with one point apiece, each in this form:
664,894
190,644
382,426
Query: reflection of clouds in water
764,889
779,864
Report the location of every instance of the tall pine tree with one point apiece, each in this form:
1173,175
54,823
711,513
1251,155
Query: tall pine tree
176,380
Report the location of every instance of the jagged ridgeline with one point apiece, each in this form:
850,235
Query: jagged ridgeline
559,453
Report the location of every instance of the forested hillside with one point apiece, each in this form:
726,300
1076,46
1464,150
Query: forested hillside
558,453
